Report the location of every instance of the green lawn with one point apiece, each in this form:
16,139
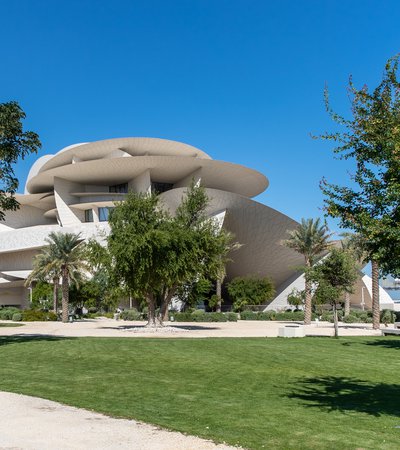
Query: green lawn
311,393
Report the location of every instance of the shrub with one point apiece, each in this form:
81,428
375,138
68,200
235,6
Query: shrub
17,317
92,310
201,316
292,315
8,312
351,319
130,314
250,291
31,315
387,316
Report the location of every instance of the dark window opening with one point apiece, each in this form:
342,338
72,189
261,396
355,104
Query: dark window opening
158,188
104,213
88,215
119,188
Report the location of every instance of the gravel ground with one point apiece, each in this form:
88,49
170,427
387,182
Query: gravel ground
30,423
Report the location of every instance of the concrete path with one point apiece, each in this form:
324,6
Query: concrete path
244,328
30,423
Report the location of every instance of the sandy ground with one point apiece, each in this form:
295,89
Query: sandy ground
245,328
31,423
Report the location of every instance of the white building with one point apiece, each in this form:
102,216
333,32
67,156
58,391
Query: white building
73,190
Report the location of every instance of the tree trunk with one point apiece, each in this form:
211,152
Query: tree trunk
56,281
347,305
151,305
375,296
308,299
65,295
335,320
165,304
218,289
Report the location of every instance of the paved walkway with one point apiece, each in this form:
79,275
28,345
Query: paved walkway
245,328
29,423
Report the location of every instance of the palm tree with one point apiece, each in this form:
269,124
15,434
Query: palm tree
310,239
45,267
68,253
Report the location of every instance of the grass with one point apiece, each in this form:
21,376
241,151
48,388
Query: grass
11,324
311,393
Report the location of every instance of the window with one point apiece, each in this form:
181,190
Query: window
104,213
88,215
119,188
158,188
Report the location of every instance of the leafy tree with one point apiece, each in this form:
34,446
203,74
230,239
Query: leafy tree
15,143
250,291
310,239
153,253
46,268
193,293
296,298
42,296
334,276
68,250
371,204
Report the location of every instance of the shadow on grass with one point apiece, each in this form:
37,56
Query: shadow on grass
393,343
181,327
348,394
23,338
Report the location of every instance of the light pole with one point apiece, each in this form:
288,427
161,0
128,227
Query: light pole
30,295
362,298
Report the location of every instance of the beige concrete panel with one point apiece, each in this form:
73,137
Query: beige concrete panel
25,216
141,183
62,193
168,169
132,146
185,182
14,296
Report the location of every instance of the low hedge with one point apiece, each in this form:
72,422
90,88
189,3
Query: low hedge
201,316
32,315
17,317
273,315
131,314
8,312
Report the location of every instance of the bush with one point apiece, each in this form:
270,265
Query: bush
251,315
130,314
291,316
31,315
92,310
17,317
351,319
8,312
201,316
250,291
387,316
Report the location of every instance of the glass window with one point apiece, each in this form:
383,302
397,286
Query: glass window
88,215
158,188
104,213
119,188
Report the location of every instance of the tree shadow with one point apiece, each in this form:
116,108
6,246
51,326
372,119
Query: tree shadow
348,394
181,327
23,338
393,343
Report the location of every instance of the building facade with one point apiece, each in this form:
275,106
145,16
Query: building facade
73,191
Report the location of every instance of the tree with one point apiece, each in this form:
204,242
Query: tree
15,143
334,276
296,298
310,239
46,268
250,291
154,253
371,205
69,252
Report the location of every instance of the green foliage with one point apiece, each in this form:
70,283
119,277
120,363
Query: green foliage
250,291
42,296
371,138
273,315
131,314
387,316
310,239
8,312
214,301
32,315
201,316
296,298
194,293
15,143
17,317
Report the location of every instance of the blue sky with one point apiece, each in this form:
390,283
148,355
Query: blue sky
241,80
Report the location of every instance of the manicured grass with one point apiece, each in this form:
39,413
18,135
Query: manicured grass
311,393
11,324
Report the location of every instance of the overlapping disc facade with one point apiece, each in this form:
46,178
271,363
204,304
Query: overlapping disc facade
73,190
